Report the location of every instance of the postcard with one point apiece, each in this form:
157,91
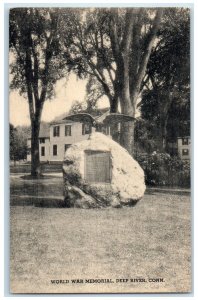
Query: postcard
100,149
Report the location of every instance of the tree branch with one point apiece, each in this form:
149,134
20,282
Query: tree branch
135,55
127,36
114,37
149,45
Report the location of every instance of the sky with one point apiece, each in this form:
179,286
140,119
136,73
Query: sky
66,93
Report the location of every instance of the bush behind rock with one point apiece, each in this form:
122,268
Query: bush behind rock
161,169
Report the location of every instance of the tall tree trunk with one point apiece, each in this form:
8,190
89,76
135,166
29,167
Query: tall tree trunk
127,136
114,104
35,161
127,128
165,101
114,127
163,130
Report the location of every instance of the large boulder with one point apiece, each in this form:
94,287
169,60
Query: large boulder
98,172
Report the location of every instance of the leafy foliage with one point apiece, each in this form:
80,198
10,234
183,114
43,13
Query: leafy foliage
95,41
18,142
36,63
166,97
35,31
162,169
93,93
145,133
113,45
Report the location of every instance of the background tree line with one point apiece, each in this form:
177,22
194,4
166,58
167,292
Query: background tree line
18,142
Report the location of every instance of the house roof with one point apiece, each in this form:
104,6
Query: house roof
62,121
44,131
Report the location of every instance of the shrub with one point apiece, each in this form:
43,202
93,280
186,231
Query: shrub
162,169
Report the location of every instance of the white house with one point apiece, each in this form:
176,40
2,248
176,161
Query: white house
183,146
64,133
56,137
44,144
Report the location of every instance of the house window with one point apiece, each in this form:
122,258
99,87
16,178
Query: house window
185,141
42,141
56,130
42,151
67,146
185,152
86,128
67,130
54,150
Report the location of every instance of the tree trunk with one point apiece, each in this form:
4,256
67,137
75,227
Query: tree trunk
164,113
114,127
114,105
35,161
127,128
127,136
163,132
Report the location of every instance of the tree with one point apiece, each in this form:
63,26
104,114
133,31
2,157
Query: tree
12,143
114,46
93,94
36,64
18,143
166,98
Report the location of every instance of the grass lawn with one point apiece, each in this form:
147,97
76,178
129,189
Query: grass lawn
50,242
46,168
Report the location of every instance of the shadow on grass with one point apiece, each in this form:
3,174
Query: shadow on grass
157,191
41,177
46,168
149,192
48,202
